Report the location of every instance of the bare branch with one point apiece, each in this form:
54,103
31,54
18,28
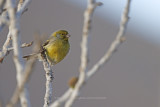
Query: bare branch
27,73
26,44
22,46
22,7
6,45
14,29
6,48
19,89
2,3
3,15
49,79
115,44
111,50
84,47
62,99
4,20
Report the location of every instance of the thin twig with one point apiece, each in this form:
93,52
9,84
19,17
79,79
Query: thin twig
26,44
7,48
6,45
22,7
22,46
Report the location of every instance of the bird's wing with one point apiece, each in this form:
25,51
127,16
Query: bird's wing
46,43
50,40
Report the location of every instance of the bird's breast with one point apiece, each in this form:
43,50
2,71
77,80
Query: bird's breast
57,51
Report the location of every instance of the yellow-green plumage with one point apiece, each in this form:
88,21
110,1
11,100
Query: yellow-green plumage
56,47
57,51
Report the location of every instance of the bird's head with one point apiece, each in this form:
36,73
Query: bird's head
61,34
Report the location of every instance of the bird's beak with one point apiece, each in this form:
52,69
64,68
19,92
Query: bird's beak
68,35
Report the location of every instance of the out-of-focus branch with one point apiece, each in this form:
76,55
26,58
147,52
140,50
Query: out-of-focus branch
22,7
6,45
26,44
2,3
62,99
6,48
92,4
115,44
21,2
49,79
22,46
20,88
27,73
3,14
0,104
14,29
14,38
4,20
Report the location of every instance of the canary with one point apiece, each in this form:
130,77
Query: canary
56,47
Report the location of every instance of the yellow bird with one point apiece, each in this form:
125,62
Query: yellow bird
56,47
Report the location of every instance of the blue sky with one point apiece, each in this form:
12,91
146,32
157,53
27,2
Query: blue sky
145,15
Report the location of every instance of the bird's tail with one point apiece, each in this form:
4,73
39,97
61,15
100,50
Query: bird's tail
34,55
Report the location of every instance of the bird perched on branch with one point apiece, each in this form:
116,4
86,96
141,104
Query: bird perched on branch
55,48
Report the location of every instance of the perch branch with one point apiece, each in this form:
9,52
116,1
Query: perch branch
49,79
